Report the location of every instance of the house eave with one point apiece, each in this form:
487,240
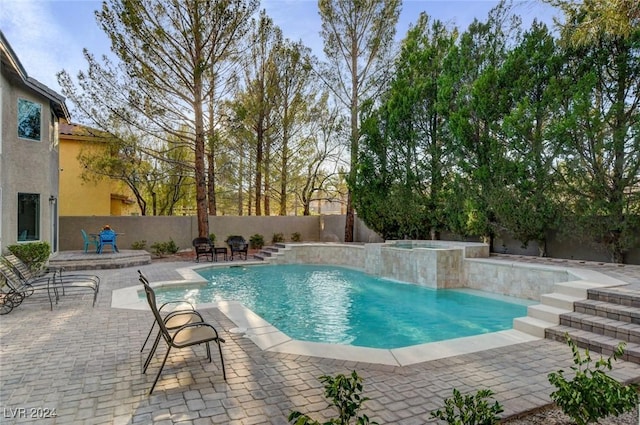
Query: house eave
10,59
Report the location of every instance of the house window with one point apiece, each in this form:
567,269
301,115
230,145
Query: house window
29,119
28,216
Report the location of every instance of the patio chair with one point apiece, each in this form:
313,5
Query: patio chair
107,237
19,289
167,309
89,241
54,280
237,244
204,247
26,275
190,334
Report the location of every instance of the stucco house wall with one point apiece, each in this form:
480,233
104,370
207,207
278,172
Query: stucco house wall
86,197
26,165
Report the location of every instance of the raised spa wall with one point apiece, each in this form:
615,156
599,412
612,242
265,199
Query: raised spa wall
435,264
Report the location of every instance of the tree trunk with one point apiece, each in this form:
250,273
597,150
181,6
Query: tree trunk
200,173
349,220
211,187
542,248
259,159
283,171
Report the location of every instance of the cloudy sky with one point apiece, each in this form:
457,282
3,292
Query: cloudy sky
49,35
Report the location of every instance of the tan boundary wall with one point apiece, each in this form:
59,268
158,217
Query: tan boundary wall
323,228
182,230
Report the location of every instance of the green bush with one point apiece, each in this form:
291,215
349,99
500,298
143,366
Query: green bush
139,245
470,409
592,394
256,241
212,238
33,254
344,393
296,237
163,248
277,238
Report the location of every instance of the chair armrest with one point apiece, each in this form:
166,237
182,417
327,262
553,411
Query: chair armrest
70,278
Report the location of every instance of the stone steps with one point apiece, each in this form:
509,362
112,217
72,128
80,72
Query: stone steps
269,251
595,342
79,260
593,315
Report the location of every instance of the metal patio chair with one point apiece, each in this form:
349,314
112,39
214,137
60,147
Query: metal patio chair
190,334
27,275
167,310
19,289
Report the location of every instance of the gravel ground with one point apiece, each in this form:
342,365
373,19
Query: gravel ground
554,416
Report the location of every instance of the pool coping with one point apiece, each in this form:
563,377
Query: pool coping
269,338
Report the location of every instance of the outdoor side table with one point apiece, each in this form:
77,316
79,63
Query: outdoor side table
219,250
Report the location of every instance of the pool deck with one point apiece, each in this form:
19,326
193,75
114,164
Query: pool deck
85,362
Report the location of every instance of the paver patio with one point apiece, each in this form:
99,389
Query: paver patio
85,364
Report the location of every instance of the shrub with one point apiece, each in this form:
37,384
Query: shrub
296,237
163,248
139,245
212,238
277,237
470,409
256,241
592,394
344,393
33,254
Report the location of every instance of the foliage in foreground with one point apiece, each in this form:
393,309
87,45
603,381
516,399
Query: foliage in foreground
33,254
592,394
344,393
469,409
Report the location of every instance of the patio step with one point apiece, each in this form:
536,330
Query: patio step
623,331
546,312
531,326
594,342
595,316
601,322
559,300
79,260
268,251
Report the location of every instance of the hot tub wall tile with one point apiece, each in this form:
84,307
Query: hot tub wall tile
455,265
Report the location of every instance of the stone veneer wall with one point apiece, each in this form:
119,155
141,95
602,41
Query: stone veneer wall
336,254
519,280
460,266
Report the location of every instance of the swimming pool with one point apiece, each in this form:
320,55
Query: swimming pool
339,305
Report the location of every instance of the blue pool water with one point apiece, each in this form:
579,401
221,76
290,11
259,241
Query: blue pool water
343,306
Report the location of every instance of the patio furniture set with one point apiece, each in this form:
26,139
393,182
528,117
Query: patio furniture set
106,237
205,248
